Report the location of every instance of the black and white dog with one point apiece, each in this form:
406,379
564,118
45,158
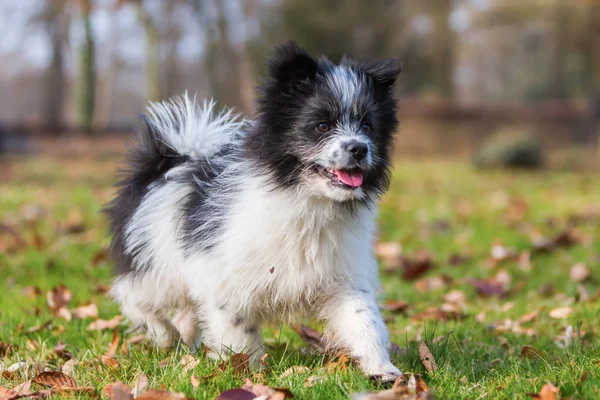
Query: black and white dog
221,224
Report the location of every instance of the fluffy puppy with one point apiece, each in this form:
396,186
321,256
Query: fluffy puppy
221,223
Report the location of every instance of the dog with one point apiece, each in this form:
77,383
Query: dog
221,223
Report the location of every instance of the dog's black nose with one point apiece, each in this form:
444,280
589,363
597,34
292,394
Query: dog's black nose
359,150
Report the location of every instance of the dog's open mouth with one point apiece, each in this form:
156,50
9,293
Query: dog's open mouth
346,178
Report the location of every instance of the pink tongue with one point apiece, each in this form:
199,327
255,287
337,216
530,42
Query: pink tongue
352,178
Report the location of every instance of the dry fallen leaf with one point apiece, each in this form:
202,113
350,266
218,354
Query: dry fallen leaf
194,381
118,391
58,298
390,255
87,311
456,297
101,324
530,352
529,317
295,370
269,393
397,306
341,363
311,336
427,358
548,392
417,265
438,314
54,379
140,385
406,387
561,312
239,362
579,273
236,394
188,362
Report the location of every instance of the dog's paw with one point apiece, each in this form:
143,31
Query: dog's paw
386,373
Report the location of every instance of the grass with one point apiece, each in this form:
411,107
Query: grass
443,207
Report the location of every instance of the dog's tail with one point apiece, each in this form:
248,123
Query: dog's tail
183,128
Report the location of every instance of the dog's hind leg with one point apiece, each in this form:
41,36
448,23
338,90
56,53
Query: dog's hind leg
141,311
225,332
186,322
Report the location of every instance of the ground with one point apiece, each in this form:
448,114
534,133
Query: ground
491,262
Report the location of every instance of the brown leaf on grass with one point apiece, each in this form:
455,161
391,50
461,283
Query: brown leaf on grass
100,256
432,283
340,363
427,358
312,381
101,288
54,379
239,363
390,255
529,317
40,327
61,350
31,291
155,394
69,367
548,392
101,324
110,362
58,298
22,390
561,312
269,393
397,306
579,272
310,336
87,311
114,345
140,385
456,297
568,237
236,394
188,362
456,259
414,267
500,253
118,391
5,349
406,387
494,286
438,314
295,370
194,381
530,352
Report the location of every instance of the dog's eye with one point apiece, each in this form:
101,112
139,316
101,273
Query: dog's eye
366,127
323,127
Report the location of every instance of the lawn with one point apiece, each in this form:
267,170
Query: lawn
498,275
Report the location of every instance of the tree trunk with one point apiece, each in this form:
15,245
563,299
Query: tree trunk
152,62
443,53
87,76
54,94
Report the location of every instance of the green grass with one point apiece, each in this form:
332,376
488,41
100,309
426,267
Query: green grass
444,207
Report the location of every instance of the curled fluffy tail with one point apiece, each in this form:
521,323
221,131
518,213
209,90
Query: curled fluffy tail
183,127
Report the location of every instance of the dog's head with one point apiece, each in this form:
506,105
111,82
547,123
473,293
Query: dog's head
326,128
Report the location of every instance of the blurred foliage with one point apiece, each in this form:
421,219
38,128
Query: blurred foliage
510,148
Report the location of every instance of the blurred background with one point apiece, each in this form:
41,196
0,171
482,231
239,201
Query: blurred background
483,78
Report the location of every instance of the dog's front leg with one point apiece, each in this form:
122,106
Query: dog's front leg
354,323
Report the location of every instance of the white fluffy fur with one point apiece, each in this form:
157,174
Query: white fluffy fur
283,254
191,129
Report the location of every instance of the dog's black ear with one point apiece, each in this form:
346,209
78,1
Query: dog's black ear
289,65
384,71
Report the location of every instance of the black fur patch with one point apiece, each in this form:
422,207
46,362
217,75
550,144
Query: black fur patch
147,163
